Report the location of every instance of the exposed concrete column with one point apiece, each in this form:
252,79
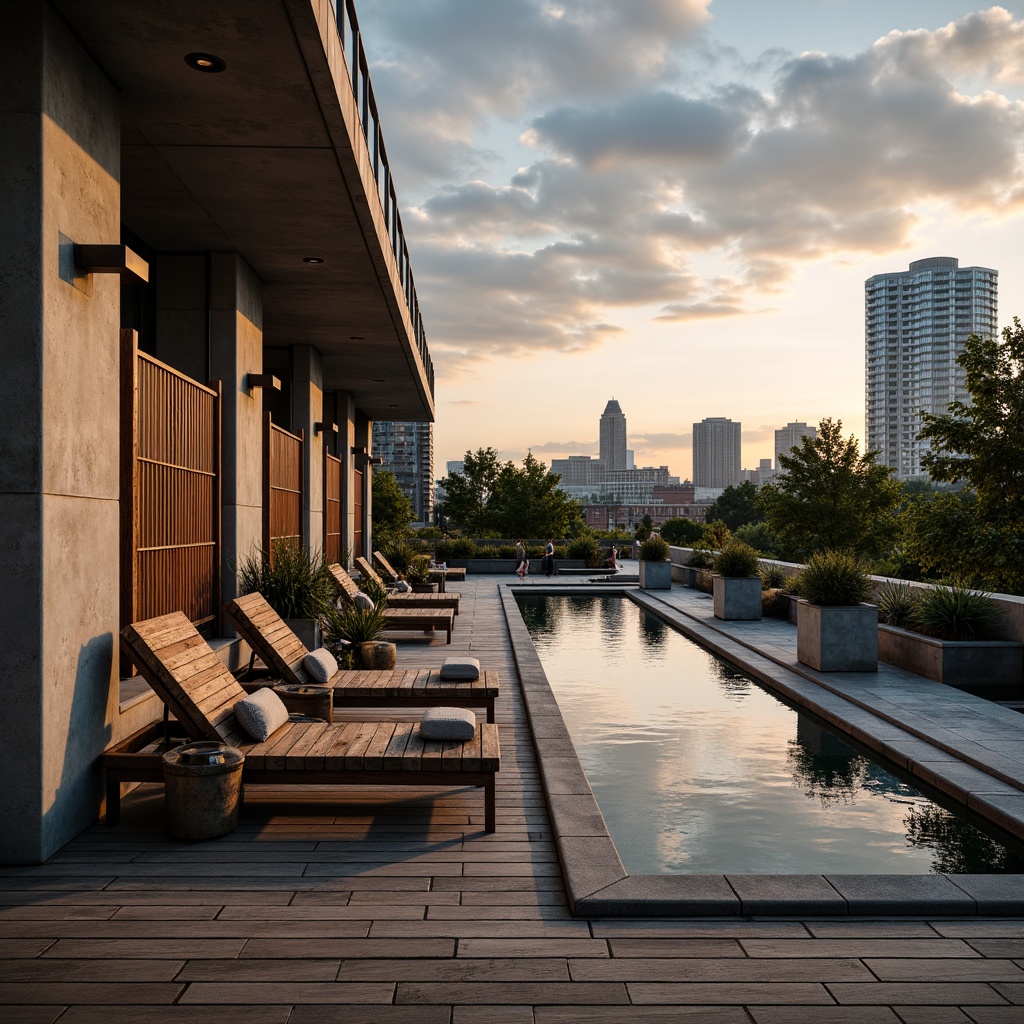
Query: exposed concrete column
345,411
364,439
236,349
307,409
59,431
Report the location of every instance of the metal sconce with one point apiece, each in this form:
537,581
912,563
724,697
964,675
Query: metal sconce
262,380
363,457
325,428
111,259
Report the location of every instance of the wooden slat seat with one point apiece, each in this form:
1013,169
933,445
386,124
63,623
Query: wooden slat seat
396,602
282,652
201,693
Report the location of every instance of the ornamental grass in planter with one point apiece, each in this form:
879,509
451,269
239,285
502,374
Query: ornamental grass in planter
361,629
836,630
736,584
655,568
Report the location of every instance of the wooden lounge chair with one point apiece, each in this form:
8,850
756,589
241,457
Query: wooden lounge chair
282,652
418,619
350,588
201,693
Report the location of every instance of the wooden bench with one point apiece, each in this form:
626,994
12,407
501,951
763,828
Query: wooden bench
201,694
396,601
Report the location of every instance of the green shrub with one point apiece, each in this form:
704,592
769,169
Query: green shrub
681,532
560,551
654,549
701,558
834,578
773,577
704,581
956,613
356,625
506,551
369,586
775,603
587,548
897,604
418,570
398,554
793,585
736,559
295,583
461,547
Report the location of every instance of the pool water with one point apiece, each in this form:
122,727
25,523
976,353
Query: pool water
699,769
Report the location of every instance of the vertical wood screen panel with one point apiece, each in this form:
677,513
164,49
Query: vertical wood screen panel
171,498
332,508
282,486
357,495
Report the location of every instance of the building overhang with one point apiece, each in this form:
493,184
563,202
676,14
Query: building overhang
266,158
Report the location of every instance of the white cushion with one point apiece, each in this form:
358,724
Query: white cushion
261,714
448,724
403,586
320,664
458,669
363,601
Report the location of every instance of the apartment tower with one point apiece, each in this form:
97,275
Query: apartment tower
916,323
789,437
408,451
613,437
716,452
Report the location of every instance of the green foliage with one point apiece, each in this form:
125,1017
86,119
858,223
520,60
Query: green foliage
418,570
654,549
761,539
704,582
587,548
391,510
682,532
643,531
701,558
897,604
716,536
399,553
460,547
295,583
736,506
773,577
832,497
956,613
376,591
356,625
775,603
466,493
736,559
834,578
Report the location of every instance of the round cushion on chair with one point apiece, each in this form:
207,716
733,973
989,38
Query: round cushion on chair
363,601
320,664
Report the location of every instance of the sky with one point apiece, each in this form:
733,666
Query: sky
675,203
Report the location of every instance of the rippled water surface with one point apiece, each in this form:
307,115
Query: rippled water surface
698,769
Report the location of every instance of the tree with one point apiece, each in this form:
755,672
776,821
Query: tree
681,532
527,502
736,506
467,493
761,539
643,531
832,497
392,513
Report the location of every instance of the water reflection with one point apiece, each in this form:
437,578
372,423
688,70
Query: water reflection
697,768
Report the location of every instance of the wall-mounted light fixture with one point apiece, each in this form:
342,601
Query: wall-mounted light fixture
377,460
111,259
363,457
325,428
262,380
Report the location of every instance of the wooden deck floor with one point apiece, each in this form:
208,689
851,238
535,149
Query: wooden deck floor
393,906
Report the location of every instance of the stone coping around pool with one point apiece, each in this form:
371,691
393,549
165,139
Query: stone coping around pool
597,884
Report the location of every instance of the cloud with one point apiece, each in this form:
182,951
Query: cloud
658,441
561,447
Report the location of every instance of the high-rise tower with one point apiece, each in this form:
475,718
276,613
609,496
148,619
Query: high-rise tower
408,451
916,323
716,452
613,437
789,437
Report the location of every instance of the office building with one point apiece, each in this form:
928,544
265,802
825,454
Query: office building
613,437
789,437
454,466
408,451
716,452
916,323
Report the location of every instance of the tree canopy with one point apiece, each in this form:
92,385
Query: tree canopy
682,532
391,510
736,506
831,496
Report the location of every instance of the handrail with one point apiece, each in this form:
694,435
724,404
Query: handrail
347,25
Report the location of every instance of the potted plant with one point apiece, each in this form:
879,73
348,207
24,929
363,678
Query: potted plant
700,559
836,630
295,583
736,583
417,573
655,568
361,629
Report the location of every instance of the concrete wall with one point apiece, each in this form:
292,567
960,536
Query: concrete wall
59,176
307,409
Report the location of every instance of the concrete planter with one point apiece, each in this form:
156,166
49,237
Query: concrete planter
655,575
837,638
984,667
376,654
737,597
424,588
308,631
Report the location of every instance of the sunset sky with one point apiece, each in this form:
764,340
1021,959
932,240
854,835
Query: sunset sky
675,203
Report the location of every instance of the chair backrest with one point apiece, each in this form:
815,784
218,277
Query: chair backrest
368,570
187,676
269,636
348,586
385,566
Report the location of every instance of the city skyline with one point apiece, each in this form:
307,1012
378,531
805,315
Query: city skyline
677,202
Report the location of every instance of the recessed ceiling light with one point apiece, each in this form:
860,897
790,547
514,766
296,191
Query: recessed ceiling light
205,62
312,259
356,337
392,406
380,380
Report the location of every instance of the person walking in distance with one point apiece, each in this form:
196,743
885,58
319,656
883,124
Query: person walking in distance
549,558
520,557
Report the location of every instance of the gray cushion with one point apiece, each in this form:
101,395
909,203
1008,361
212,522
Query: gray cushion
448,724
460,669
261,714
320,664
363,601
403,587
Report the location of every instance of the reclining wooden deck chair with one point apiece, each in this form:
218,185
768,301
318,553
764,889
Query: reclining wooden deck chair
282,652
395,600
201,693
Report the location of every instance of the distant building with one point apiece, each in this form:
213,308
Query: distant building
408,451
613,437
762,475
628,516
790,436
630,459
454,466
579,470
716,452
916,323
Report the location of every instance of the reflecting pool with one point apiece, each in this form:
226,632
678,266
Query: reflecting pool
699,769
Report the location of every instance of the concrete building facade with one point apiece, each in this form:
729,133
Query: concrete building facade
408,451
716,452
916,323
789,437
613,437
198,197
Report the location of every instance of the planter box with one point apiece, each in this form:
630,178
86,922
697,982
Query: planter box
424,588
737,597
656,575
837,639
979,666
308,631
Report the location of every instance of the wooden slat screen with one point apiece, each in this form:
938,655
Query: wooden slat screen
282,486
332,509
171,491
357,495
